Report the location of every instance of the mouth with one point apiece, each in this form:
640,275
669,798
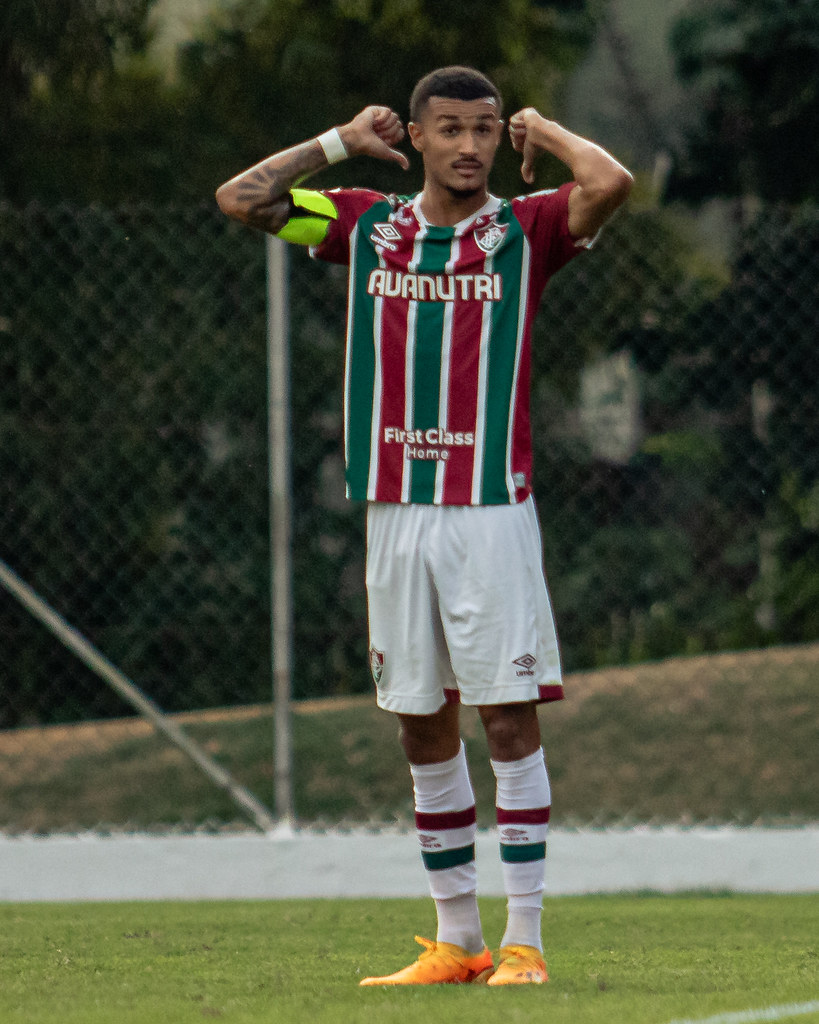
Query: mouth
467,167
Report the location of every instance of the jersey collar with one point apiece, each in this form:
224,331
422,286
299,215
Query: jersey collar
492,205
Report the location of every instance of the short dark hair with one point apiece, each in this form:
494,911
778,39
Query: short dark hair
453,83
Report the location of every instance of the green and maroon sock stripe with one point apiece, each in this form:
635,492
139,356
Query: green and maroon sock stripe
447,838
523,834
445,820
524,816
522,853
438,860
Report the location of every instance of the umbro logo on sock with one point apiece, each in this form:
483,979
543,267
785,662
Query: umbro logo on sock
511,835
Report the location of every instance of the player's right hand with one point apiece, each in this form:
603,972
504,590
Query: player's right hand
375,132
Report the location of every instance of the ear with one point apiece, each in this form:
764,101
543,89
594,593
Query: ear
416,134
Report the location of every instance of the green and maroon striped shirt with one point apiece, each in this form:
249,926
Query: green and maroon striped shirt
438,343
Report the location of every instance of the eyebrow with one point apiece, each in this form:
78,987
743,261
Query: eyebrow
458,117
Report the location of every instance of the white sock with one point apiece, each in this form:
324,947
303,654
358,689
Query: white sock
446,826
523,804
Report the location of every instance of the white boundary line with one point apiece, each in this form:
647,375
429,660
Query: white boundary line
764,1013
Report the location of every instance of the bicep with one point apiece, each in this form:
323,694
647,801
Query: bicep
590,208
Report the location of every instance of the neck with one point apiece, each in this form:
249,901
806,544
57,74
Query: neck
446,207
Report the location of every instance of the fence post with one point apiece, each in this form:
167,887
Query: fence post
281,596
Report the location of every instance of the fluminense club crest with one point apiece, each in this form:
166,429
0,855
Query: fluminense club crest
490,237
376,664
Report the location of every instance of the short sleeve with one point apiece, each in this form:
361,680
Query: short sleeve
350,204
544,217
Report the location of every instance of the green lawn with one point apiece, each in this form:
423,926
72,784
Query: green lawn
636,960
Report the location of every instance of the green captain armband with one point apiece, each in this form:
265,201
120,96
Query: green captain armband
310,216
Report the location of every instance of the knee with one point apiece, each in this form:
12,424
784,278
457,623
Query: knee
502,737
430,739
423,748
512,731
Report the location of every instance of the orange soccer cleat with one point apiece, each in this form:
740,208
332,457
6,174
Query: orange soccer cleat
441,963
520,965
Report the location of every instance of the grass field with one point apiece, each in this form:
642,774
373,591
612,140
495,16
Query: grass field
725,738
635,960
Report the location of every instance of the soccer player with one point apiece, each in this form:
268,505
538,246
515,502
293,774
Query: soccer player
443,288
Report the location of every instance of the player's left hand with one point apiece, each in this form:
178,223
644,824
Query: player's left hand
520,132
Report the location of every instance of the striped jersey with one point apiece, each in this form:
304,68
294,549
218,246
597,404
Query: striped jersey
437,372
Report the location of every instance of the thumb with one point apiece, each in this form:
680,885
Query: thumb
527,168
400,159
388,153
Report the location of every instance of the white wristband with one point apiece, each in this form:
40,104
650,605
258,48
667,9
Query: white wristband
334,148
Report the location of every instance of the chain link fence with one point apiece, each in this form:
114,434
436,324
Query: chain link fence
677,473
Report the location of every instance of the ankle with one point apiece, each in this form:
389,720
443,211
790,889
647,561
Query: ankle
523,928
459,922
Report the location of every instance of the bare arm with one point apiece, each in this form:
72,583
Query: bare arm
259,196
603,184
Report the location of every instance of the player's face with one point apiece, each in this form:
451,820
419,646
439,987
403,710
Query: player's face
458,140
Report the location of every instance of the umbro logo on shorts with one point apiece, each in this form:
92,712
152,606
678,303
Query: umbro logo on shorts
526,662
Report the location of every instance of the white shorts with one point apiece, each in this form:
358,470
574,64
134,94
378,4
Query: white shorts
458,607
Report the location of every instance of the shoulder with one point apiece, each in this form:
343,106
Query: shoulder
355,211
544,218
546,205
353,203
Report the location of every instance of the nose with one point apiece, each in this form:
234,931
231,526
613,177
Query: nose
469,143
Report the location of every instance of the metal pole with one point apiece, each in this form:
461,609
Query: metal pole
109,673
281,576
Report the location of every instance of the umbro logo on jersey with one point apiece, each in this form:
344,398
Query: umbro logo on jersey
428,842
491,237
386,234
526,662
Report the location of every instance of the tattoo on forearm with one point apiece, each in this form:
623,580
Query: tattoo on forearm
261,187
264,188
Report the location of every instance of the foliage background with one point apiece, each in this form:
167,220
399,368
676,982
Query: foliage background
132,420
